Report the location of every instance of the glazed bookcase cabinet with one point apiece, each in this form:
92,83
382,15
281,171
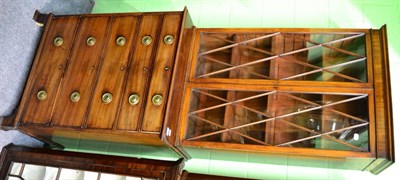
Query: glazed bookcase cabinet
18,162
153,78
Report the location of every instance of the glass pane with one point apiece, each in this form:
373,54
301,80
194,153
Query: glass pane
14,178
91,175
69,174
15,168
51,173
299,127
221,56
355,139
289,119
105,176
316,64
288,103
283,56
214,111
34,172
138,178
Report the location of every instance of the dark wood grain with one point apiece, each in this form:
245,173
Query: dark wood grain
168,170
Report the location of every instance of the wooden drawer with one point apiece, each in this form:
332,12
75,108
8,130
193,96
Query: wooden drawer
112,73
92,85
138,75
102,78
47,70
161,74
80,74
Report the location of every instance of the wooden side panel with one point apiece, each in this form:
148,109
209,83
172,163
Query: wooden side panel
80,72
112,73
161,77
138,74
382,90
173,118
48,71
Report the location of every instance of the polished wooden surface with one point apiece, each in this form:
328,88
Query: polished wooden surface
49,70
376,88
112,73
161,74
127,166
81,72
383,102
138,75
149,70
45,20
104,67
173,117
92,134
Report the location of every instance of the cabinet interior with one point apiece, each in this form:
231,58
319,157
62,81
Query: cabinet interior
339,57
266,113
277,118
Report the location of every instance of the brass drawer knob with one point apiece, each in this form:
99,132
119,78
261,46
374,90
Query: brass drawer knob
91,41
58,41
157,99
134,99
169,39
146,40
106,98
41,95
75,96
120,41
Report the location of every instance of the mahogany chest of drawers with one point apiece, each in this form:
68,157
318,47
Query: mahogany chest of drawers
103,76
